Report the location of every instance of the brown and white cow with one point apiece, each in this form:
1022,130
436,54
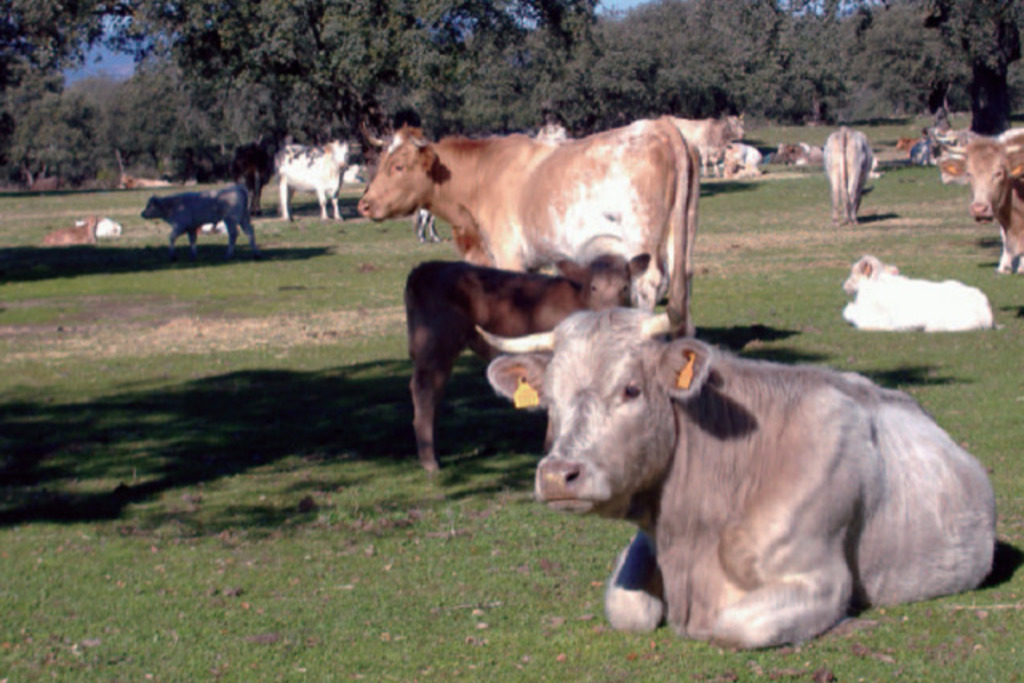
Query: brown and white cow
518,204
771,500
711,137
82,232
848,161
446,300
995,169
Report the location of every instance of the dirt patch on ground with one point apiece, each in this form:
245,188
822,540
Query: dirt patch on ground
191,334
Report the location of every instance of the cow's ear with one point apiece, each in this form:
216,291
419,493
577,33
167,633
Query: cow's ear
684,367
520,378
427,157
638,265
1015,157
573,271
953,169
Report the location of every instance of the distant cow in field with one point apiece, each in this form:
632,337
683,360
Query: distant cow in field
106,227
710,137
848,161
444,301
994,167
771,500
47,184
190,211
741,161
82,232
425,225
519,204
886,300
252,167
312,169
799,154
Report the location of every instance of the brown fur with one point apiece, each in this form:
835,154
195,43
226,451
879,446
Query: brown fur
445,301
83,232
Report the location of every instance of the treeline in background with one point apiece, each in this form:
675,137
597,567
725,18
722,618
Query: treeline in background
210,77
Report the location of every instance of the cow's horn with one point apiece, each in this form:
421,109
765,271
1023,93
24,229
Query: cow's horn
370,137
531,343
655,325
1013,149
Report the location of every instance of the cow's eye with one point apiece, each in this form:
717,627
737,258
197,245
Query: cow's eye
397,168
631,391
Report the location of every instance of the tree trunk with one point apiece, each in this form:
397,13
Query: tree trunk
990,100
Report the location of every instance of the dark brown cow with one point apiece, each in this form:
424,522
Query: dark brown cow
995,169
518,204
253,166
444,301
771,499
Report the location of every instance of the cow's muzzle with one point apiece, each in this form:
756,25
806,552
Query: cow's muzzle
559,483
982,212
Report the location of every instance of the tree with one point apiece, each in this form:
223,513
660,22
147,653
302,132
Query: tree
987,34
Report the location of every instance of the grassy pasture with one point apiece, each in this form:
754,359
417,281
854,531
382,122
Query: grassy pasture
207,470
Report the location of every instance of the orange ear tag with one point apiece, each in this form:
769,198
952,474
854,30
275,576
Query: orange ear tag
685,377
1018,171
525,396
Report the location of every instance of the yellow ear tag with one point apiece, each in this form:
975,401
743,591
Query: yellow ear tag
685,377
525,395
1019,170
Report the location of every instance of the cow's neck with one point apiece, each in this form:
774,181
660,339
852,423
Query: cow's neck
454,202
1011,210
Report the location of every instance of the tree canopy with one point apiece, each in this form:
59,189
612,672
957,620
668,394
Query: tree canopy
212,76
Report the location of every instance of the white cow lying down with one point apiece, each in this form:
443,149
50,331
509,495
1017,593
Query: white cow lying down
886,300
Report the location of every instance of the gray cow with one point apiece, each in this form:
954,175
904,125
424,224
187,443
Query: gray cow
189,211
771,500
848,160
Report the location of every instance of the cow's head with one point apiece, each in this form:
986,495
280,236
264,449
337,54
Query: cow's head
404,178
867,268
608,280
990,165
154,208
607,383
337,151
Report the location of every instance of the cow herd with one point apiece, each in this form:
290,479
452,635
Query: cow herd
771,501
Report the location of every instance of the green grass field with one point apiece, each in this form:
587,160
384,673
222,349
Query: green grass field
207,470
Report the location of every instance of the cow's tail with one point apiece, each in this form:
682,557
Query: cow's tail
844,172
682,231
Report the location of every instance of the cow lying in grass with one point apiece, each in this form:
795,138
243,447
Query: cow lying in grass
886,300
771,500
445,300
190,211
82,232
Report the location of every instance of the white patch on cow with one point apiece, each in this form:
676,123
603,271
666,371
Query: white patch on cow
108,228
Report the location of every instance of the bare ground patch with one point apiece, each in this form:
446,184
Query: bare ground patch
190,334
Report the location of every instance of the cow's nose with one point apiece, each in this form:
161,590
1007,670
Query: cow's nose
363,207
557,479
981,210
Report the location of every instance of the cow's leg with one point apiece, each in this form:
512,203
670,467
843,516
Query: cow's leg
285,197
790,610
251,234
433,347
634,600
175,233
322,198
232,228
192,242
334,203
432,228
1009,262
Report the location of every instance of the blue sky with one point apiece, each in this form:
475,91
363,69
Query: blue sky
118,66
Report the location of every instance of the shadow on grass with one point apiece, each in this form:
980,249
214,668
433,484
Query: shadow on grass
1005,562
725,187
87,461
914,375
876,218
31,264
749,340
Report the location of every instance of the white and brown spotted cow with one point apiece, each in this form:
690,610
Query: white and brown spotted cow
771,500
517,203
